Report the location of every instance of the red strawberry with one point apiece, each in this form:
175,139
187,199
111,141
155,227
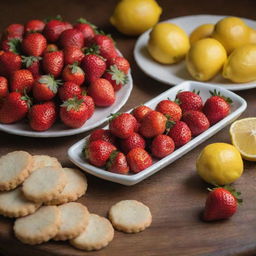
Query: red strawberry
221,203
74,112
180,133
117,163
121,63
138,160
133,141
34,44
196,121
45,88
14,31
93,66
53,29
72,55
140,112
14,108
9,62
21,81
162,146
12,45
3,87
71,38
86,28
122,125
102,92
101,134
89,102
67,25
189,101
153,124
73,73
69,90
32,64
51,48
98,152
42,116
170,108
216,107
53,63
34,26
116,77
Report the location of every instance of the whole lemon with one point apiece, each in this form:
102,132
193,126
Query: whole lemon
240,66
252,36
168,43
201,32
231,32
133,17
205,59
219,164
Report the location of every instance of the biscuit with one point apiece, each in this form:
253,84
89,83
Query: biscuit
74,219
14,169
14,204
40,161
76,187
44,184
98,234
130,216
38,227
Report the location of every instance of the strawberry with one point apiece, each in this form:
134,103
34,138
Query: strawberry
14,31
162,146
74,112
89,102
221,203
140,112
93,66
71,38
14,108
51,48
34,44
122,125
138,160
216,107
170,108
73,73
9,62
189,101
133,141
102,92
3,87
32,63
117,163
72,55
121,63
21,81
153,124
180,133
42,116
116,77
98,152
67,25
34,26
53,30
196,121
53,63
86,28
45,88
12,45
69,90
101,134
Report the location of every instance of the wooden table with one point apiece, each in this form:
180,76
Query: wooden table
175,195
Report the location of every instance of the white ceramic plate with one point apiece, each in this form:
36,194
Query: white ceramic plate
238,106
177,73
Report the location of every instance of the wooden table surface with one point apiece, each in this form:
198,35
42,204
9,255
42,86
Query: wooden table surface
175,195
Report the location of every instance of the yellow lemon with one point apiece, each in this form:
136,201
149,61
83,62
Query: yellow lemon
252,36
231,32
219,164
201,32
168,43
205,59
240,66
133,17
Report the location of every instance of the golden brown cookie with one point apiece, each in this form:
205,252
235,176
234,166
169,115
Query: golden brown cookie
40,161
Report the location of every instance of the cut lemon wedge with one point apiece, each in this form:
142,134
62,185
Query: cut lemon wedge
243,136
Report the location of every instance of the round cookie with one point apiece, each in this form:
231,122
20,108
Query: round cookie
40,161
38,227
14,169
76,187
74,219
98,234
130,216
44,184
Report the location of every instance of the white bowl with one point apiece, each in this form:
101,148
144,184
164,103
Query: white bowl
238,106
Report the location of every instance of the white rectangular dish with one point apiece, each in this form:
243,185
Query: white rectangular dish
239,105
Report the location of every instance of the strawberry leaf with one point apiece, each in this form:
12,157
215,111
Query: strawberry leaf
29,60
15,45
51,83
58,17
117,75
72,104
217,93
84,21
94,49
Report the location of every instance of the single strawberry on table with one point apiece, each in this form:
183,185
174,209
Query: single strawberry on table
102,134
86,28
21,81
135,140
121,63
140,112
69,90
9,62
72,54
71,37
162,146
188,100
3,87
32,64
117,163
73,73
34,26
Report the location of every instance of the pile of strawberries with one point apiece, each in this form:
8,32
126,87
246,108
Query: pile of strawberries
132,138
56,69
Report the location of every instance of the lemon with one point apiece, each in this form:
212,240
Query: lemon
201,32
133,17
240,66
205,59
168,43
219,164
252,36
231,32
